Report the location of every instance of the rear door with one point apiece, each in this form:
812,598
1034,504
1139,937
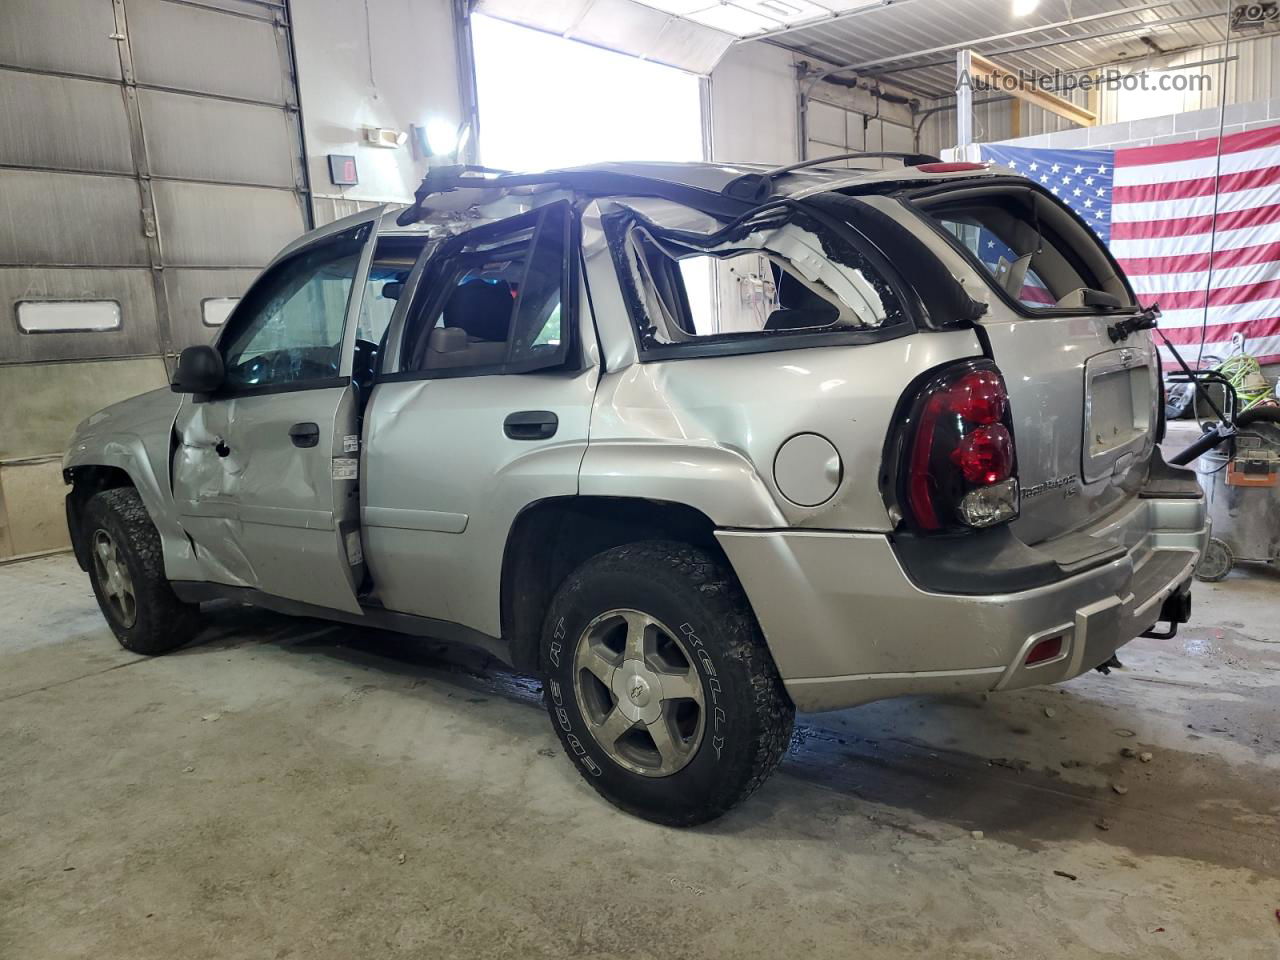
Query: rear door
483,410
266,470
1084,404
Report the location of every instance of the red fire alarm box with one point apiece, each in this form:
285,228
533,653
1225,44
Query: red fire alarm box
342,170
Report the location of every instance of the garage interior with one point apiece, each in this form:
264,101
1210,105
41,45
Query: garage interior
288,787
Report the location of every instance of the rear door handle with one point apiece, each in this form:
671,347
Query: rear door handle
304,434
531,425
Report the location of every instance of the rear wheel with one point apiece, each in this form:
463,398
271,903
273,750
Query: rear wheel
659,683
126,567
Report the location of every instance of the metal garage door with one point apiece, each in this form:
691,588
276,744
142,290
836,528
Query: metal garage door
150,163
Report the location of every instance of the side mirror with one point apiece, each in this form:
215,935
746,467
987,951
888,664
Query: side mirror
199,370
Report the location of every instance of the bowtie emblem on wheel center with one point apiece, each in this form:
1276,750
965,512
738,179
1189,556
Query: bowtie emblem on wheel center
639,691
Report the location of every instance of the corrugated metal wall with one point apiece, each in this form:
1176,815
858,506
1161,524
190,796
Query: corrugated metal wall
150,155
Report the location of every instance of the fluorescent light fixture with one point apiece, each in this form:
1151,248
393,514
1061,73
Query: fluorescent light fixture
1022,8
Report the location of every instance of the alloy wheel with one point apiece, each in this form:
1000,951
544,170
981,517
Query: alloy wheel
113,577
639,690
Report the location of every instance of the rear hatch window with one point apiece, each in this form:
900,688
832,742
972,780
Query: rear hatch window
1026,254
1031,248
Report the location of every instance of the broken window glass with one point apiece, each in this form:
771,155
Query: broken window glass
783,274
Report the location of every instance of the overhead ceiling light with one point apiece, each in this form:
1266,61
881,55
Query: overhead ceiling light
1022,8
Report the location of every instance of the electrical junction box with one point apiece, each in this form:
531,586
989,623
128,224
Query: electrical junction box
385,137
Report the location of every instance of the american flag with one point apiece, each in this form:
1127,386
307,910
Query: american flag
1154,207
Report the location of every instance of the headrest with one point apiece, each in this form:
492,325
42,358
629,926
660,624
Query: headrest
481,309
447,340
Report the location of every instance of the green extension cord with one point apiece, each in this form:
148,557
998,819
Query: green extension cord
1245,375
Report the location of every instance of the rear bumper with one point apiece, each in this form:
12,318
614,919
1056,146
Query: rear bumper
847,625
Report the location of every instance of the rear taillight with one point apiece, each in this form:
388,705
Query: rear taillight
957,466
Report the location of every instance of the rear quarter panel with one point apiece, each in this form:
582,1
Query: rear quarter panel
705,431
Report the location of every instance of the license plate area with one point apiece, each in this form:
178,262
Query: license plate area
1118,409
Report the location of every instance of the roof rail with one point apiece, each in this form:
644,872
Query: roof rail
604,182
758,187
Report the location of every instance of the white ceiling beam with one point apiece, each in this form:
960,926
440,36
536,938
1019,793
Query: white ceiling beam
825,21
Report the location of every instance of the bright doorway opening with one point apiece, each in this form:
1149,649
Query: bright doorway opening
550,102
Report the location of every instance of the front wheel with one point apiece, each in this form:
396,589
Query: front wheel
659,683
126,566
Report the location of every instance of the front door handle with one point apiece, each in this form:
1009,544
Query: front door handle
304,434
531,425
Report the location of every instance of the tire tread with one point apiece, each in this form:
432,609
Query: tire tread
773,712
164,622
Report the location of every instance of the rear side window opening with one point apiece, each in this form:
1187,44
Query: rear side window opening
778,281
1031,250
496,300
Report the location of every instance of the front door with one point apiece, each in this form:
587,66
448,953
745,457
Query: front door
266,470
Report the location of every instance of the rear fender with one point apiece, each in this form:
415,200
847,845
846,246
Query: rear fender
716,481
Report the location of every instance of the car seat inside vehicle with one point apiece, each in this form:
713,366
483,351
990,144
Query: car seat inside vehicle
475,325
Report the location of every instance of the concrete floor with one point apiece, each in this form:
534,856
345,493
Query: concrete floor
287,788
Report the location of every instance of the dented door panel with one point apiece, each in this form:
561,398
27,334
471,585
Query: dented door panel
298,505
203,493
266,475
263,512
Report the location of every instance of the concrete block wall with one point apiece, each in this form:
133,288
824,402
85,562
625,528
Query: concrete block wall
1193,125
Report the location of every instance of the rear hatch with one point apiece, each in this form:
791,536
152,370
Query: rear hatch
1084,402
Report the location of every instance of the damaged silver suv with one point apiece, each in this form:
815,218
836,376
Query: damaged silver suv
699,445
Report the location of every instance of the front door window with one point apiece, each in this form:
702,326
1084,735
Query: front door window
288,329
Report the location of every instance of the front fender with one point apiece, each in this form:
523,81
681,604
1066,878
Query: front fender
134,437
715,480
